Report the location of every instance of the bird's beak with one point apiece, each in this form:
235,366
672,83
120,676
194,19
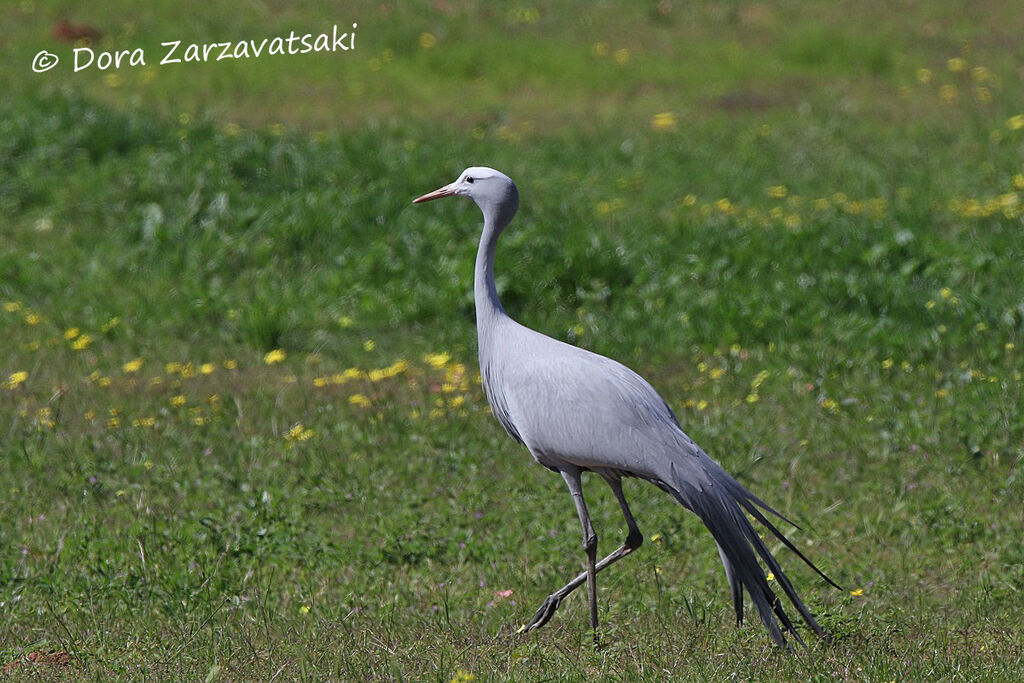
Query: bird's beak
446,191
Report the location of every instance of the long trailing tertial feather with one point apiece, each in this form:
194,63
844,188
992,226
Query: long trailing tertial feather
721,507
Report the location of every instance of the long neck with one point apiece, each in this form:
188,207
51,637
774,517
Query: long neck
489,310
485,293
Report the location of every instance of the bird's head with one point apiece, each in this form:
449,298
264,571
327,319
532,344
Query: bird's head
493,191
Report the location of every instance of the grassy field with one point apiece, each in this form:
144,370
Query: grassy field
242,435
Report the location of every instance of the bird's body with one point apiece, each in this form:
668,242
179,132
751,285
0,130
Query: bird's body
578,411
569,406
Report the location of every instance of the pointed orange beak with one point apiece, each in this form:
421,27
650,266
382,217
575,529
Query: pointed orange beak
446,191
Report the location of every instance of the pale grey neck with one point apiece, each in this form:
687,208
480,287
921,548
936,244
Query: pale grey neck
485,292
489,310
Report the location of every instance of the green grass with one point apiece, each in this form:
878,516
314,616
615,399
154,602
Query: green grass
816,259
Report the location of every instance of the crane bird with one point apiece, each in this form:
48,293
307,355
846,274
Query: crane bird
577,411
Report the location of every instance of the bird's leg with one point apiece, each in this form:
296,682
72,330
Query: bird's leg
633,541
575,484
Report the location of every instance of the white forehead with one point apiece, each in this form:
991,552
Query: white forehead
478,172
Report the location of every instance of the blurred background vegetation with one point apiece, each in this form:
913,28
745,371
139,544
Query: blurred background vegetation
238,365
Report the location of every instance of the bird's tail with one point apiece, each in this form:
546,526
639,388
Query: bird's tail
720,503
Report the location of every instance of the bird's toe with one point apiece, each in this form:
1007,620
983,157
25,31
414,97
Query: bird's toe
543,614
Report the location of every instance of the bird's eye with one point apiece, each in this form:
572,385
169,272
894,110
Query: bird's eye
469,179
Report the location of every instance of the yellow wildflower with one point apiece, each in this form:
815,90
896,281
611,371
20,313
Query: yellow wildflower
437,360
81,343
981,74
15,379
207,368
178,401
132,365
664,121
1015,122
777,191
32,318
44,418
275,356
621,56
299,433
427,40
12,306
230,364
71,333
956,64
369,345
857,592
359,400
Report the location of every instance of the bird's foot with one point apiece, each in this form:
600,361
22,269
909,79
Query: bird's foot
543,615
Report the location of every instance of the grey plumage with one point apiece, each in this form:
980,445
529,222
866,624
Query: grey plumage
577,411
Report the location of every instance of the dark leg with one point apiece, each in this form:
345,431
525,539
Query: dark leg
633,541
575,484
